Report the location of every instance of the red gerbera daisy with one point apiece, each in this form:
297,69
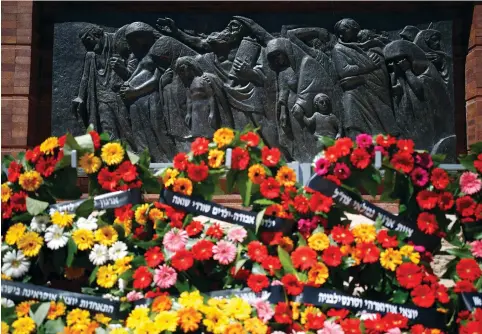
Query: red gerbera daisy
386,240
315,321
342,235
270,188
320,203
283,314
360,158
368,252
395,320
198,173
250,138
271,264
341,313
33,155
14,171
194,228
215,231
341,171
464,286
142,278
333,179
182,260
46,166
257,251
202,250
199,146
18,201
427,223
465,206
441,294
154,256
468,269
351,326
427,199
127,171
332,256
6,210
108,180
344,146
292,285
385,142
440,179
409,275
239,159
445,201
478,163
301,204
257,282
303,258
180,161
406,145
274,210
423,296
403,161
270,156
332,154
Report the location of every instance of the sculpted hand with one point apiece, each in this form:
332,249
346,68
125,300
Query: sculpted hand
127,92
376,59
283,118
117,63
166,25
76,105
167,77
241,67
298,114
404,65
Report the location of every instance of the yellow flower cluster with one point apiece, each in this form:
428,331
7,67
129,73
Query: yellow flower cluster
31,180
90,163
28,242
364,233
112,153
79,321
49,145
223,137
6,192
62,219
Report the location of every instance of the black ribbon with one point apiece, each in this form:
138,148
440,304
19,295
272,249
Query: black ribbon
471,300
105,201
324,297
470,230
21,291
247,219
349,199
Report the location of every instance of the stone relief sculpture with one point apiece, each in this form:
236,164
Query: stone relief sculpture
159,88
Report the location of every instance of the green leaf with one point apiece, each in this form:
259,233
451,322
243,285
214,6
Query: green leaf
104,136
85,142
244,186
258,270
71,143
285,260
468,162
239,265
476,148
259,219
327,141
462,253
145,159
134,158
65,184
22,217
127,275
54,326
264,201
71,251
41,313
93,275
230,181
85,209
182,286
438,158
399,297
35,207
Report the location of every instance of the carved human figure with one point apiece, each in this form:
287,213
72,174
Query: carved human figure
420,96
323,122
366,97
207,105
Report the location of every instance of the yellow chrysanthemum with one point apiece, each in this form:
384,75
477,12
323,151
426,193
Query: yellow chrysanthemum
169,176
223,137
31,180
6,192
189,319
5,327
56,310
238,308
183,186
78,316
167,321
318,274
49,145
147,327
215,320
101,318
191,299
83,238
106,276
409,252
286,176
123,264
215,158
257,173
255,326
141,214
112,153
365,233
23,325
30,243
137,316
155,214
309,310
126,225
118,331
319,241
106,235
90,163
73,273
62,219
14,233
23,309
390,259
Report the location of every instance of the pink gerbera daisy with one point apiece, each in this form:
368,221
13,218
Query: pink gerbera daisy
364,141
165,277
224,252
134,295
476,248
175,240
321,166
237,234
264,310
470,183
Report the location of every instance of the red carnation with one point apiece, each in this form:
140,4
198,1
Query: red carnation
465,206
215,231
301,204
142,278
257,282
344,146
292,285
274,210
368,252
427,199
271,264
406,145
440,178
108,180
154,257
351,325
342,235
14,171
409,275
199,146
332,256
127,171
386,240
445,201
360,158
239,159
203,250
283,314
250,138
403,161
180,161
198,173
270,188
423,296
427,223
320,203
46,166
182,260
304,258
194,228
270,156
468,269
257,251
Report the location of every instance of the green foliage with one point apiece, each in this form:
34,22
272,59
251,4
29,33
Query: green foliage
35,207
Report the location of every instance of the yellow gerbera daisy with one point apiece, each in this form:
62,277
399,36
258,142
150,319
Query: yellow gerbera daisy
167,321
169,177
101,318
390,259
106,235
238,309
141,214
409,252
318,274
30,243
319,241
123,264
31,180
77,316
215,158
24,325
112,153
155,214
365,233
5,327
255,326
14,233
118,331
49,145
90,163
6,192
56,310
137,316
83,238
286,176
23,308
62,219
106,276
126,225
223,137
191,299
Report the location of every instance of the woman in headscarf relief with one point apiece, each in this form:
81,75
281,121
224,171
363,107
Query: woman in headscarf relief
366,97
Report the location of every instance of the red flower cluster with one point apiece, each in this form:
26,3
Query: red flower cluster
124,177
470,323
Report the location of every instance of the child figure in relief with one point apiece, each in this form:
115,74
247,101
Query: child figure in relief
323,122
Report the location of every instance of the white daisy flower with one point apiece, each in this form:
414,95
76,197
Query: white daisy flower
87,224
15,264
117,251
96,214
7,303
99,254
5,248
39,223
55,237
